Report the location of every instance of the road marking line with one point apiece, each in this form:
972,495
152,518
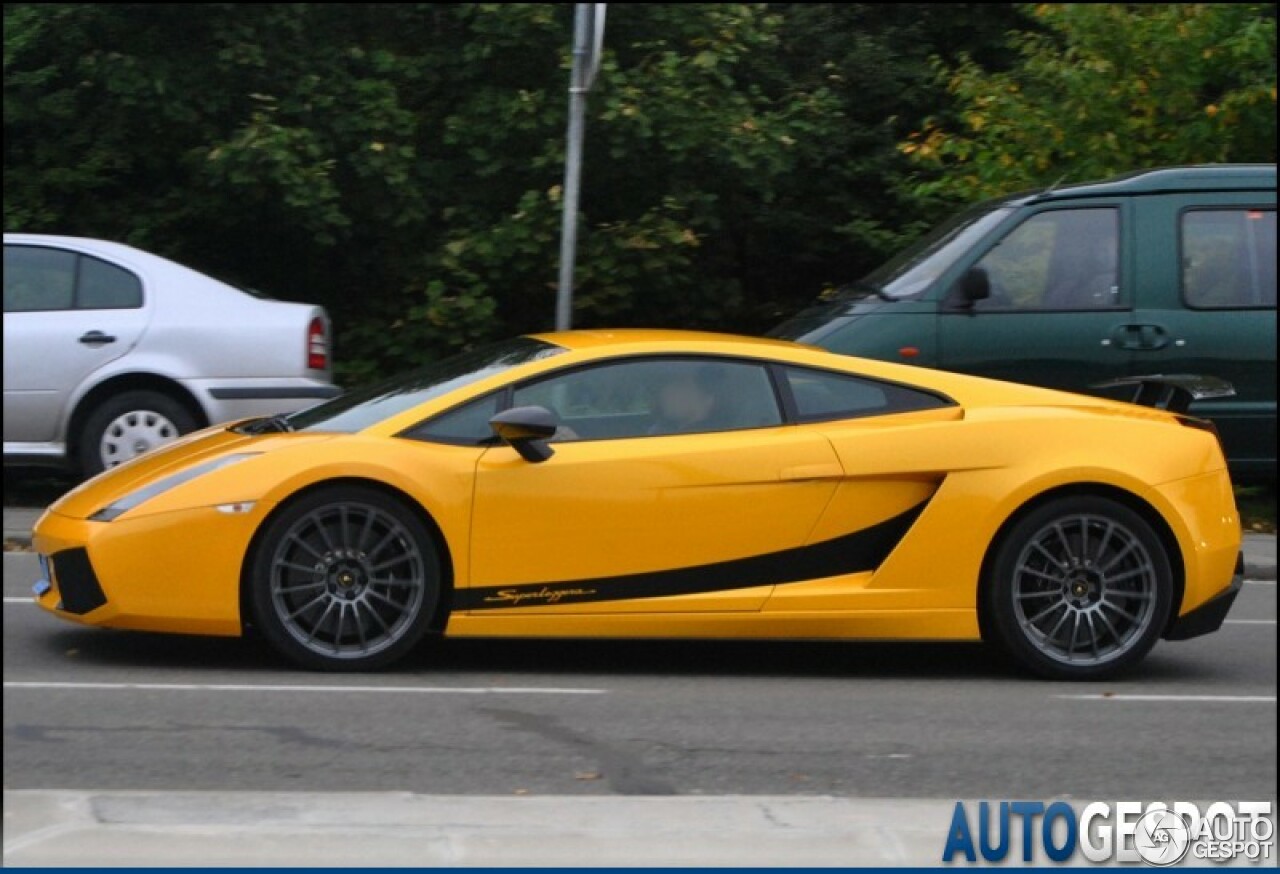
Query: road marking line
256,687
1220,699
27,600
1261,582
1249,622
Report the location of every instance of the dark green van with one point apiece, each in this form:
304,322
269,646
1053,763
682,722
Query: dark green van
1166,271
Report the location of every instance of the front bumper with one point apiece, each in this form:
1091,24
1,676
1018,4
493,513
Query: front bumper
1210,615
176,572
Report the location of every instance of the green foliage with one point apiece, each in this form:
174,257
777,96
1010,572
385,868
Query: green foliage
1105,88
401,164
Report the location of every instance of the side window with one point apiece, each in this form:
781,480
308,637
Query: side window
37,278
1065,259
652,397
821,395
105,286
1229,258
467,425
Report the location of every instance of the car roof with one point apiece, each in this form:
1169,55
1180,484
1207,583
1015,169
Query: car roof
82,244
1162,180
639,338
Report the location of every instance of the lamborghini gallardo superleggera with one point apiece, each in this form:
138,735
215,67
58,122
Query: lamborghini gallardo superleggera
670,484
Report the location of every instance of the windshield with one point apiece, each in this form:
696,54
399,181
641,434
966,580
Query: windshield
914,269
362,407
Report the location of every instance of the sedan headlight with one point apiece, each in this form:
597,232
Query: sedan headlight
128,502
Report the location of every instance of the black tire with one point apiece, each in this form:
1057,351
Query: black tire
317,590
1088,564
127,424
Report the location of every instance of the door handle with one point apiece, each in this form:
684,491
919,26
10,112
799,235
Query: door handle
96,338
1154,337
1140,337
804,472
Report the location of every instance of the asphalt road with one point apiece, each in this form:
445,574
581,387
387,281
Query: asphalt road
87,709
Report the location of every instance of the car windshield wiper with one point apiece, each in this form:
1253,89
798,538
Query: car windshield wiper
264,425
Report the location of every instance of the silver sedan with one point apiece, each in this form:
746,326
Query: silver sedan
110,351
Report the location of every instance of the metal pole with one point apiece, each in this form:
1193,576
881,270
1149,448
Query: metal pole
588,32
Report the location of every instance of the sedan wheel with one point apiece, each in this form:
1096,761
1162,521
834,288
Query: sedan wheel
1082,588
346,579
128,425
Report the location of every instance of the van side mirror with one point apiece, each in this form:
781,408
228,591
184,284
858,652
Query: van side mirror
527,430
972,287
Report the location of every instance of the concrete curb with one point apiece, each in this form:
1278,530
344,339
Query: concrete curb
315,829
43,828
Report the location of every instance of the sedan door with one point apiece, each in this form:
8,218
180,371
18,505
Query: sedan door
66,315
655,499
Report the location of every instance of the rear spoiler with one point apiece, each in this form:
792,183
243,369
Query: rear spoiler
1172,392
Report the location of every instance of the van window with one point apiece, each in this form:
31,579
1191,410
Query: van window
1066,259
1229,258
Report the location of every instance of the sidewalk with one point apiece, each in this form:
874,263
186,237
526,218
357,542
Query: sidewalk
1259,549
404,829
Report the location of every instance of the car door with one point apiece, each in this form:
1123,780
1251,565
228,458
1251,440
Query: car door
66,314
1059,313
1208,303
644,506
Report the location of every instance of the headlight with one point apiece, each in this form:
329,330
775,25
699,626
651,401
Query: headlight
159,487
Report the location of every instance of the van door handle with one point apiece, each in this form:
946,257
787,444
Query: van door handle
96,338
1152,337
1140,337
804,472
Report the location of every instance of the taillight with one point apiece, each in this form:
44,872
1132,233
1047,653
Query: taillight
317,345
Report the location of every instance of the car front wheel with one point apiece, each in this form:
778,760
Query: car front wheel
1080,588
345,579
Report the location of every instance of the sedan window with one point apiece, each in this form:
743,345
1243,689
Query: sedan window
43,279
105,286
38,279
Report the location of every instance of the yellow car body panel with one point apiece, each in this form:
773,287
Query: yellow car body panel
892,516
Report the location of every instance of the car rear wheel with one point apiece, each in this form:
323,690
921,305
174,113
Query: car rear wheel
346,579
129,424
1080,588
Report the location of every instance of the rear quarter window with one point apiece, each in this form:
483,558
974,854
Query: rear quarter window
821,395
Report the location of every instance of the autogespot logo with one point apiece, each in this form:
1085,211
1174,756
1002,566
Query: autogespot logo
1161,837
1158,834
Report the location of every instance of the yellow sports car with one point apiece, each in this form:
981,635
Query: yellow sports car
669,484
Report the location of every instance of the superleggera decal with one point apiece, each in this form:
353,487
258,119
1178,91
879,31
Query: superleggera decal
860,551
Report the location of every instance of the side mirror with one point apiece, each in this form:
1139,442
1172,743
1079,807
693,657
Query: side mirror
527,430
972,287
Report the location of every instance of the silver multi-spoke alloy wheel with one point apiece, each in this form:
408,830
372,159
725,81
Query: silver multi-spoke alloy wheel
1084,589
1080,587
345,579
133,433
